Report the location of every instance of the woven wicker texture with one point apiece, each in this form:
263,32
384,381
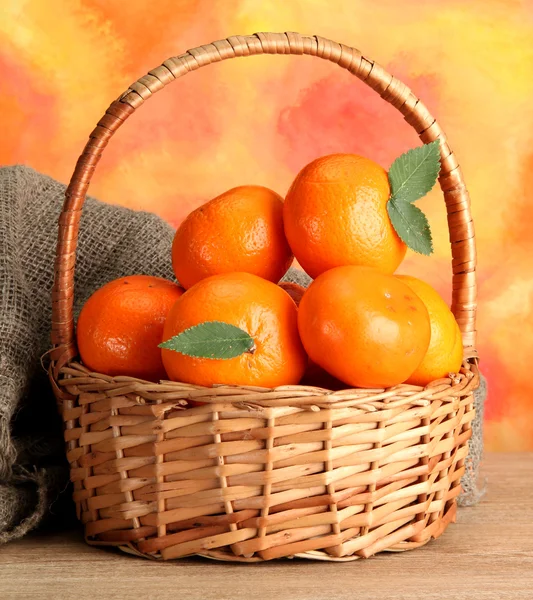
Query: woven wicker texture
257,474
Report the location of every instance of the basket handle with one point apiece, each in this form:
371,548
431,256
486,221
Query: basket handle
392,90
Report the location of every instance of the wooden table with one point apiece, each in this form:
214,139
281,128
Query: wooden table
487,555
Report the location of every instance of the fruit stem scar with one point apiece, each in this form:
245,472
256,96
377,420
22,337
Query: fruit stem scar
252,349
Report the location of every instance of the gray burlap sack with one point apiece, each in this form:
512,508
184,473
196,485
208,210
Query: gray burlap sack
114,241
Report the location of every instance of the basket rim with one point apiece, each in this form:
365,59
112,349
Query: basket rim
76,378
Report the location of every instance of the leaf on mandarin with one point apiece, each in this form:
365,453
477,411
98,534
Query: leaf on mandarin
411,225
413,174
212,339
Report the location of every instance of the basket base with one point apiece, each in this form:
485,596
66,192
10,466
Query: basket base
427,534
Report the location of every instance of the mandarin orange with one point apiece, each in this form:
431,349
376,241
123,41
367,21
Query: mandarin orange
363,327
121,325
335,214
240,230
257,306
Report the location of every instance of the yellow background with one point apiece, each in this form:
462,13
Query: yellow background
261,119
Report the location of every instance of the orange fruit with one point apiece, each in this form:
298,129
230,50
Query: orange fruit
335,214
240,230
121,325
445,352
295,290
363,327
257,306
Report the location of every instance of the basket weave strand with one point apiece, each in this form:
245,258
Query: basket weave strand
256,474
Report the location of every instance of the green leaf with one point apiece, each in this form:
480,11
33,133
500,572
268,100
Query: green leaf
212,339
411,225
413,174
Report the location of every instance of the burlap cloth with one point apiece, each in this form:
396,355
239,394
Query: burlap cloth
114,241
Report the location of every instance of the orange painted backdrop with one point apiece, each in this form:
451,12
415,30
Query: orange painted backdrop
261,119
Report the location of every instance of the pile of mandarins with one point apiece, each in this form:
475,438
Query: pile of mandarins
357,325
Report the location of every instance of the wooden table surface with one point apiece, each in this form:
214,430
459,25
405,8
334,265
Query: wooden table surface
487,554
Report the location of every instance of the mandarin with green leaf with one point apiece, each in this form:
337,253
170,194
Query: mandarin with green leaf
335,214
260,309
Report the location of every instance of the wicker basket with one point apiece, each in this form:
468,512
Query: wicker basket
256,474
